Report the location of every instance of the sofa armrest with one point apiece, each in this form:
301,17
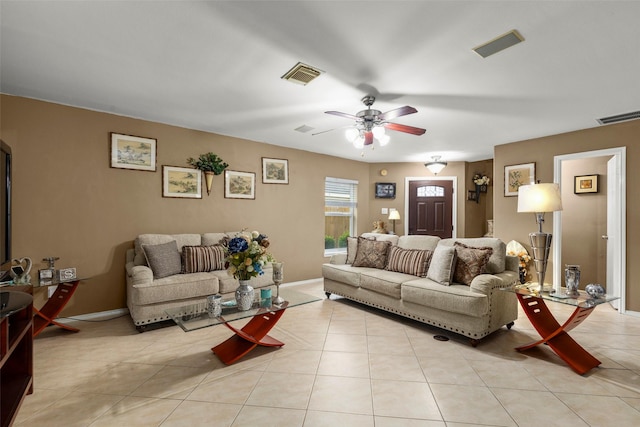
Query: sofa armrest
137,274
487,283
338,259
512,263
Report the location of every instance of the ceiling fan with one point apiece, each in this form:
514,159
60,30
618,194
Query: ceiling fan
370,123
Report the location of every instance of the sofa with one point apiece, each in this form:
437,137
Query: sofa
171,270
452,284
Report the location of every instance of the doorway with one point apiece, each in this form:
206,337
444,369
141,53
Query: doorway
614,236
430,206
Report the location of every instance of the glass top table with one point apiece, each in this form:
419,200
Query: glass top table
263,316
556,336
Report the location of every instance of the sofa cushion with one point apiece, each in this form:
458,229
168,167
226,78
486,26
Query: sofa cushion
470,262
163,259
409,261
418,242
210,239
393,238
454,298
384,282
174,288
343,273
371,253
497,260
156,239
196,259
352,249
442,265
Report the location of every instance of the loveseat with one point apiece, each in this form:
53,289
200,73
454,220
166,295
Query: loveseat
453,284
165,271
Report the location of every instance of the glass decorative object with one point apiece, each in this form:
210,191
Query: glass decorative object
214,305
277,279
572,279
244,295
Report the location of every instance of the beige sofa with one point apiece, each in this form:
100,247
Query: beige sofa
474,310
148,297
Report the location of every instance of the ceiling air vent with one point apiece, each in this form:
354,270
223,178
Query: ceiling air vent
619,118
502,42
301,74
304,128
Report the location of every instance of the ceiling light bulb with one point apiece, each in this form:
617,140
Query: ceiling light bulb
384,140
352,134
378,131
359,142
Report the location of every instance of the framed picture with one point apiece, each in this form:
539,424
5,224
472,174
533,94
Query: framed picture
275,171
585,184
133,152
385,190
517,175
472,195
239,185
181,182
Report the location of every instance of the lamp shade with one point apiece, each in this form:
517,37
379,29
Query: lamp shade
436,165
394,214
539,198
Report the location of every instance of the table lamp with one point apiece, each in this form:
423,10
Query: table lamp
394,215
538,199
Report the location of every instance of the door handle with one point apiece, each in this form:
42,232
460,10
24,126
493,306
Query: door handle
605,237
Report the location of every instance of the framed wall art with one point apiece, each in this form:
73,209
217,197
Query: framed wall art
181,182
385,190
133,152
585,184
239,185
275,171
517,175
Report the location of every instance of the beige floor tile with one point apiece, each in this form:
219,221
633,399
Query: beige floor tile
536,408
563,379
394,367
333,419
449,371
470,404
633,402
404,399
348,327
397,344
233,388
342,342
403,422
341,394
196,414
121,379
282,390
602,411
253,416
137,411
344,364
172,382
507,374
298,361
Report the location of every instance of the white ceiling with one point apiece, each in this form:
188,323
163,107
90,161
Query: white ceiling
216,66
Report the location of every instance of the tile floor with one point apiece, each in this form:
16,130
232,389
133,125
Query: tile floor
343,365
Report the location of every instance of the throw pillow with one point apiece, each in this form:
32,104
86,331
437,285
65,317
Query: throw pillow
409,261
371,253
471,262
442,264
197,259
163,259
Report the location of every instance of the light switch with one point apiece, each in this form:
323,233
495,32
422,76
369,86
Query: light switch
384,211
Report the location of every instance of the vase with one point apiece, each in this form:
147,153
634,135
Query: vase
572,279
523,275
244,295
477,193
208,177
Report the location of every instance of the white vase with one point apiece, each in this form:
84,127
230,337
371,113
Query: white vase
244,295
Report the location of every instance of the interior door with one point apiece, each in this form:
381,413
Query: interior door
431,208
613,231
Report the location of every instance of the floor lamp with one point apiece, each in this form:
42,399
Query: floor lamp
394,215
538,199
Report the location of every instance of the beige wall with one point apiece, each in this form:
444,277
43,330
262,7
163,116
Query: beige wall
511,225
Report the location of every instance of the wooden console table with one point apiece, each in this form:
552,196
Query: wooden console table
556,335
46,315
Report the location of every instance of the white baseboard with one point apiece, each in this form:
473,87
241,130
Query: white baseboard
98,316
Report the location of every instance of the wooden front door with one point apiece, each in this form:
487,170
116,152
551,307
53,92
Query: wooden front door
431,208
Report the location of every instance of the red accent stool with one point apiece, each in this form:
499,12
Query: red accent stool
555,335
253,334
46,315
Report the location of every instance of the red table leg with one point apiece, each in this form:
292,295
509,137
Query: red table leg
253,334
555,335
46,315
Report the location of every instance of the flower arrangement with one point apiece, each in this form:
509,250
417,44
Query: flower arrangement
481,179
523,257
246,254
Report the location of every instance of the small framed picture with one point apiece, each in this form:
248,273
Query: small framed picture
585,184
472,195
517,175
385,190
239,185
133,152
181,182
275,171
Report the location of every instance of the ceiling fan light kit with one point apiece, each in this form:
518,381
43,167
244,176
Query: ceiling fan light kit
436,165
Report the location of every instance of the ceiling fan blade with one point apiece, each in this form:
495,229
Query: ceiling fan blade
345,115
402,111
368,138
404,128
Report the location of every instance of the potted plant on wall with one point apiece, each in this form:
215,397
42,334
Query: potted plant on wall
210,164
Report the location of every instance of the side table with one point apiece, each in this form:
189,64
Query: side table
46,315
556,335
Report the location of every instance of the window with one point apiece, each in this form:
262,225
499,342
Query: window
340,203
431,191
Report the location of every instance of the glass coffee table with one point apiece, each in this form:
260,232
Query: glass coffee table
264,316
552,333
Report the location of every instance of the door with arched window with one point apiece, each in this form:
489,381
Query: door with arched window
431,208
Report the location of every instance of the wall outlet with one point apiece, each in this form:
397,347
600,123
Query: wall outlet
51,290
384,211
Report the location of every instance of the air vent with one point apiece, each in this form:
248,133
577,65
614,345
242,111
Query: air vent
619,118
302,74
304,128
502,42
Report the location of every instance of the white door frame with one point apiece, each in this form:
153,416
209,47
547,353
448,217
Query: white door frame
616,219
454,199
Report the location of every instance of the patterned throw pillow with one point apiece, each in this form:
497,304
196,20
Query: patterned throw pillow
197,259
163,259
371,253
409,261
471,262
442,264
